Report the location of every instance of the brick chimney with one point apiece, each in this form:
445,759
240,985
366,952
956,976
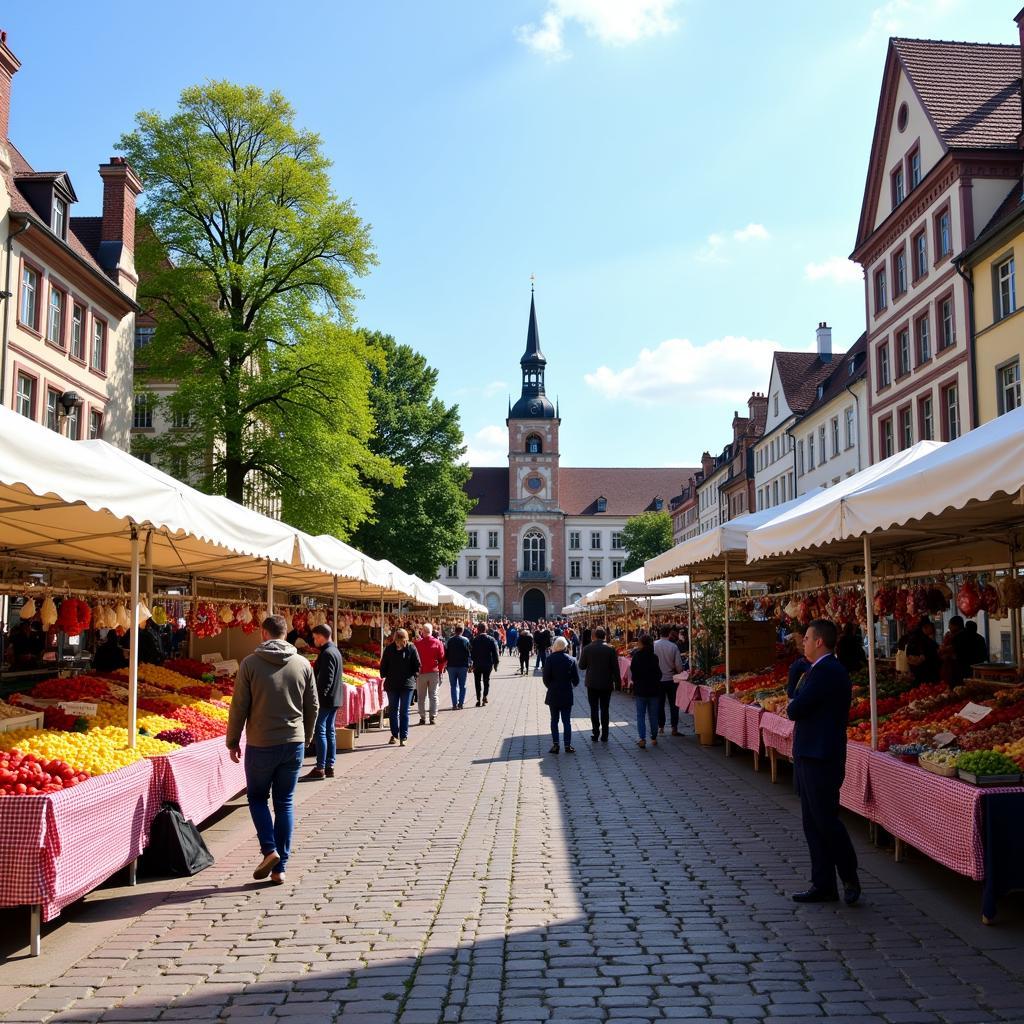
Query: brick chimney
707,463
757,409
9,65
117,234
824,336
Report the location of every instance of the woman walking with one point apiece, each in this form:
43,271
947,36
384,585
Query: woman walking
560,676
399,668
645,671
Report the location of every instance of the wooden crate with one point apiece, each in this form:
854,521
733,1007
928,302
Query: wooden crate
33,720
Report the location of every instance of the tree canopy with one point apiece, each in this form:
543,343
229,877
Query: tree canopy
645,536
246,260
421,523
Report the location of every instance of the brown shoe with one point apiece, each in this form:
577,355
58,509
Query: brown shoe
329,772
278,878
315,773
269,862
654,741
393,740
642,744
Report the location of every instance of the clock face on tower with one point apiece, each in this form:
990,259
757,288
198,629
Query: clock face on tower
534,483
535,408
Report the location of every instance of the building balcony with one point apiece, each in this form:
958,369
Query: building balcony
534,576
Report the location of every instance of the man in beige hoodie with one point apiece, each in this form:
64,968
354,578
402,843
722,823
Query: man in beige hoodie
276,703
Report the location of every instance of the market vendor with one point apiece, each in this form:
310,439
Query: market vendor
923,652
25,647
109,657
151,650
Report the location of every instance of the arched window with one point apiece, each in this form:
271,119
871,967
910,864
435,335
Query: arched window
534,551
533,445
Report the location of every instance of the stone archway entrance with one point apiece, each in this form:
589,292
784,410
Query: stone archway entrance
534,605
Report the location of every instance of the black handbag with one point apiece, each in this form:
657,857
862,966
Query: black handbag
175,845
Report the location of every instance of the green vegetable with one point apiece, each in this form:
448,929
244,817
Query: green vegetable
987,762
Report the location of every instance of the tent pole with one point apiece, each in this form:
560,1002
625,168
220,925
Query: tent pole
1014,612
133,645
869,598
382,623
728,686
689,623
149,568
192,649
335,626
270,587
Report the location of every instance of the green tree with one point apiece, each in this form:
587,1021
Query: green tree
645,536
246,259
421,523
709,639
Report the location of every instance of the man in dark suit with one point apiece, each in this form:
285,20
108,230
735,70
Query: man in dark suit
601,664
820,707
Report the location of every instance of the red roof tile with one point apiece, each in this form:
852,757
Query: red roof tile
970,90
800,374
840,374
488,487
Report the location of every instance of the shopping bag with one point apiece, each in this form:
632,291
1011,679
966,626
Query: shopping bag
175,845
902,664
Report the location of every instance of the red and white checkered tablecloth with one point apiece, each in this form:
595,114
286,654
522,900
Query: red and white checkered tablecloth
351,711
200,778
687,694
777,733
627,679
856,792
374,697
56,848
739,723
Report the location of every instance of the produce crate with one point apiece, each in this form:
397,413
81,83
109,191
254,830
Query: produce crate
33,720
989,780
946,770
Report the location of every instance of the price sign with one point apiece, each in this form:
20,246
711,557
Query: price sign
226,667
79,708
943,739
212,659
973,712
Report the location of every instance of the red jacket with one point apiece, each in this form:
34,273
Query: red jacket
431,652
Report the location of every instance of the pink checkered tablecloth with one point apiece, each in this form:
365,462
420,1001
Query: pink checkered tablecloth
739,723
200,778
627,679
777,733
687,693
856,792
56,848
351,711
374,697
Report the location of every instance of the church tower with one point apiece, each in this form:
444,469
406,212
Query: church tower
534,524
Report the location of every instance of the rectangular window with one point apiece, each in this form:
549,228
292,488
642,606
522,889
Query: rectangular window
77,350
906,428
898,189
924,341
835,436
472,568
95,425
810,452
884,372
775,493
948,329
25,396
75,422
575,569
28,313
915,168
617,544
800,458
881,296
899,273
492,568
99,345
142,416
181,419
821,444
595,539
1006,289
951,411
903,353
453,571
943,235
143,336
492,538
616,568
472,539
60,217
53,409
574,540
849,426
55,317
595,568
885,437
1008,386
920,255
926,418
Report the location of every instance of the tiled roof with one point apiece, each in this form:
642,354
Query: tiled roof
800,374
488,486
1008,209
629,491
970,90
840,375
20,167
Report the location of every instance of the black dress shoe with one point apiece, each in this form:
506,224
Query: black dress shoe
593,736
851,893
813,895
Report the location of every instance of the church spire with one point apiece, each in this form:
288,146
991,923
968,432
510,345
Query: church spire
533,403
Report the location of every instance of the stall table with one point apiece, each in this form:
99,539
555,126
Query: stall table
627,679
739,723
200,778
687,693
777,737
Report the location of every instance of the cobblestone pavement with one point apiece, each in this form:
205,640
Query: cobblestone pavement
474,877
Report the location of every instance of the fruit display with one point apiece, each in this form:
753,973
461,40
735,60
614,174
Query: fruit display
987,763
10,711
189,667
97,751
23,773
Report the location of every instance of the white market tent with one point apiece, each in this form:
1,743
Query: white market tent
633,584
447,596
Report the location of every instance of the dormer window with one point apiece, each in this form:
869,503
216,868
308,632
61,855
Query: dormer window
602,504
659,504
533,445
60,217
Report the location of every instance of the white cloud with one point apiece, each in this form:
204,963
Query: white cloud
752,232
611,22
488,447
494,388
836,269
898,17
723,370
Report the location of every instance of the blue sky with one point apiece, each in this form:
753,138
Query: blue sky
682,176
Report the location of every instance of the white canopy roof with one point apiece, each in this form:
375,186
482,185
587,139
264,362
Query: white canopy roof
821,518
447,596
633,584
730,537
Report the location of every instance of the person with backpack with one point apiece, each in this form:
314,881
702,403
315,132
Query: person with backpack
458,658
485,654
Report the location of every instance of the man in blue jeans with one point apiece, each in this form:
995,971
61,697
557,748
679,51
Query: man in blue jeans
276,703
457,660
330,692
